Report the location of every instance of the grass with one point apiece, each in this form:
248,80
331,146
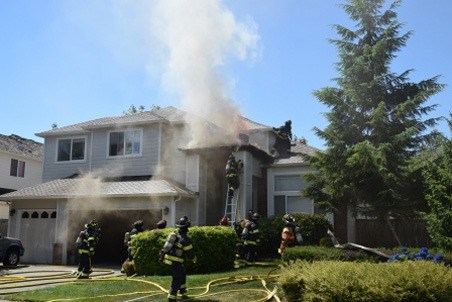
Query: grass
243,284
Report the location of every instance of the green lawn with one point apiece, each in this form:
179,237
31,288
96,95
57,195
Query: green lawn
244,284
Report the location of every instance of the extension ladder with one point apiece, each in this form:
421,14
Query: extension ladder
231,208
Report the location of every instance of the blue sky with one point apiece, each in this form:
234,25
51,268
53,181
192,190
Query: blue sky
68,61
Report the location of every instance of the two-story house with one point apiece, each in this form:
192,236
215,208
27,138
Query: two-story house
121,169
20,167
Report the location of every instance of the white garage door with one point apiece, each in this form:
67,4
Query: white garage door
37,232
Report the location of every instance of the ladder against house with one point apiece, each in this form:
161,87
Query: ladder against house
231,208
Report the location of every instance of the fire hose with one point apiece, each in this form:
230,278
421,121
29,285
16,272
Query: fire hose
54,279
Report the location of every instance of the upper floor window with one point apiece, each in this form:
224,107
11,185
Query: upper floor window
71,149
17,168
124,143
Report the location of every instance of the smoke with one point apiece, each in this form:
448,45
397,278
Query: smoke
198,38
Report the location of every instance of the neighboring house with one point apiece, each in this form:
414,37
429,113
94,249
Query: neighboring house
120,169
20,167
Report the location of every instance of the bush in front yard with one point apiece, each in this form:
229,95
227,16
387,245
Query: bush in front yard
331,281
214,246
313,229
313,253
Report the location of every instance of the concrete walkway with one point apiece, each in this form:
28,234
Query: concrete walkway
35,276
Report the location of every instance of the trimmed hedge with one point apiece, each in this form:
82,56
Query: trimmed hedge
214,246
313,229
332,281
313,253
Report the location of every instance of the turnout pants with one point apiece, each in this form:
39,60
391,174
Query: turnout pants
84,266
179,275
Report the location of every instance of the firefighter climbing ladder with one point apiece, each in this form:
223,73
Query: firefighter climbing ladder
231,209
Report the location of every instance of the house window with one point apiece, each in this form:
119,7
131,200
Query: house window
125,143
288,198
17,168
71,149
53,215
25,215
292,204
44,215
35,215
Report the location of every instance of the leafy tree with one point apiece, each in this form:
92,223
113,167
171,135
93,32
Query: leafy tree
133,109
438,179
376,120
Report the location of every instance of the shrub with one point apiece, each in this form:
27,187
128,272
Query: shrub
350,281
313,253
313,229
214,246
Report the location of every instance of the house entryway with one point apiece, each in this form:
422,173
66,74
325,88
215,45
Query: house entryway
37,232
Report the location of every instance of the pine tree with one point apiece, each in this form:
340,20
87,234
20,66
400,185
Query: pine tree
438,179
376,119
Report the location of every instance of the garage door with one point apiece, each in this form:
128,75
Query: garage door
37,232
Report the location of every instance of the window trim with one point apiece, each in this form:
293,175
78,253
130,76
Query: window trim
85,138
139,154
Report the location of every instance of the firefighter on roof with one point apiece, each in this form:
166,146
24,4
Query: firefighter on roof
178,246
290,235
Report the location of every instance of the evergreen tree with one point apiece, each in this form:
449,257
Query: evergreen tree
376,120
438,179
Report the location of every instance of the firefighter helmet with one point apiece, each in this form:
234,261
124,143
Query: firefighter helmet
183,223
161,224
138,224
92,224
288,218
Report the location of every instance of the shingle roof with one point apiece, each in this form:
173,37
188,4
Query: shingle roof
22,146
86,187
166,114
131,119
296,156
248,124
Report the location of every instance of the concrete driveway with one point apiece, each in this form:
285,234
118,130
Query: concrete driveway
34,276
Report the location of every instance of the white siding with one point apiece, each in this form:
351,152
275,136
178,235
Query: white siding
33,172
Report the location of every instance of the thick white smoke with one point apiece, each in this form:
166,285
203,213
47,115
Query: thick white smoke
199,36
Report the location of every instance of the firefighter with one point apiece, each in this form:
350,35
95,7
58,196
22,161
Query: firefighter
86,244
233,169
128,266
178,246
137,228
290,235
240,248
160,225
250,235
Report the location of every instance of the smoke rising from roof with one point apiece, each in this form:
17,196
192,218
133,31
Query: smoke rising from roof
199,37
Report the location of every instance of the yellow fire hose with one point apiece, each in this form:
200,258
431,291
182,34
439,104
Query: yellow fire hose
55,279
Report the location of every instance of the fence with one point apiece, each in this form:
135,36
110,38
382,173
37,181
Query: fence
374,233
